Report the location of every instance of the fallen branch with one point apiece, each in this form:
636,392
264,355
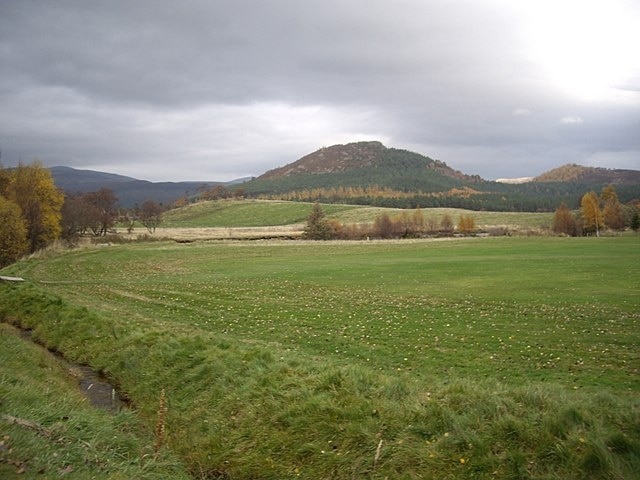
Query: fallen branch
27,424
11,279
377,455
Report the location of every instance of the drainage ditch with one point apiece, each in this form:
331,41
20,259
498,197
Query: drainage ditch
97,388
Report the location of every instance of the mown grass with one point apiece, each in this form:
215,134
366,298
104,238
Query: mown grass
258,213
242,213
49,431
477,358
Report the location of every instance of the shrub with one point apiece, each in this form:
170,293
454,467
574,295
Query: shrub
317,227
13,233
466,224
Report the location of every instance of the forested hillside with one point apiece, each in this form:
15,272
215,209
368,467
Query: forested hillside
595,175
369,173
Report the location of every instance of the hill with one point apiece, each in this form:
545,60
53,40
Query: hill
368,169
90,179
369,173
590,175
372,174
363,155
130,191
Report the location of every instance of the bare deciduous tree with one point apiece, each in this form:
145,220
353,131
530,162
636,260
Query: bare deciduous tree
151,215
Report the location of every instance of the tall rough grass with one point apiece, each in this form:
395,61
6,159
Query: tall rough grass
245,409
48,429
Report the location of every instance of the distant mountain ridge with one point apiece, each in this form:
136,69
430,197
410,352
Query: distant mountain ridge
89,177
370,173
130,191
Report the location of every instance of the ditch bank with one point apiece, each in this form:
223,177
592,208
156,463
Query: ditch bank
95,386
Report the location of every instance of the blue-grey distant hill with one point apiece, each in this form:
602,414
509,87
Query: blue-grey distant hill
130,191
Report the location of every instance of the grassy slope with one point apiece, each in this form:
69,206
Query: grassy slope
502,358
75,440
243,213
255,213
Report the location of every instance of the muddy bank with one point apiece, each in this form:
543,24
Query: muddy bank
93,385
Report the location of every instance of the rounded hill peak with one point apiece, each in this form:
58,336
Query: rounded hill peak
333,159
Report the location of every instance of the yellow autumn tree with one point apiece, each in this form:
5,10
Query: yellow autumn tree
31,187
466,224
4,180
591,214
612,211
13,233
418,220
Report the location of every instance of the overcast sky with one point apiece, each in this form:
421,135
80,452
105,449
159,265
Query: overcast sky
217,89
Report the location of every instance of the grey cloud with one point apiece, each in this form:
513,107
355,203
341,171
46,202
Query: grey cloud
238,87
237,51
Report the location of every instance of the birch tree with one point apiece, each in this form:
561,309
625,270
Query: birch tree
591,214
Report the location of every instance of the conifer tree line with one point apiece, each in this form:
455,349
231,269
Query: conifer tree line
34,213
596,214
495,197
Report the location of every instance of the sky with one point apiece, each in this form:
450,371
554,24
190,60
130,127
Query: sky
214,90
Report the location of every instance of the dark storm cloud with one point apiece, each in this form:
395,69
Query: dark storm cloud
307,52
232,88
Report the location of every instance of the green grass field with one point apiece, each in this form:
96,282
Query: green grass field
260,213
243,213
467,358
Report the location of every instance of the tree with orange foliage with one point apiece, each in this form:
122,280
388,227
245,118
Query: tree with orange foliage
564,221
591,214
612,212
466,224
13,233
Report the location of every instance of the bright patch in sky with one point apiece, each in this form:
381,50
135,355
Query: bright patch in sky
521,112
588,49
571,119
